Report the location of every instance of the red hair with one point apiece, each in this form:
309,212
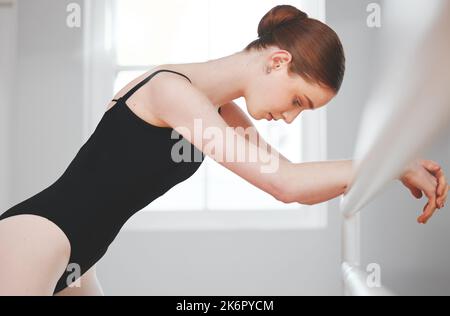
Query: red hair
317,52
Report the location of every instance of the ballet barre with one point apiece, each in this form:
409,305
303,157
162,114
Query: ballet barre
407,112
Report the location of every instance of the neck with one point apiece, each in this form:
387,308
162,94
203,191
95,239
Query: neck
225,79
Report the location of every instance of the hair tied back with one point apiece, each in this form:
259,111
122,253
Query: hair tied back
278,17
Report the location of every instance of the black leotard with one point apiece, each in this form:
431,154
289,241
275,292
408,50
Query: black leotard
124,165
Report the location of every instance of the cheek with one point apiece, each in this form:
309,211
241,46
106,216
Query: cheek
262,103
276,105
277,99
257,102
265,97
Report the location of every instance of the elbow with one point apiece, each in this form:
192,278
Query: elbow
283,193
309,203
280,187
278,192
288,190
281,196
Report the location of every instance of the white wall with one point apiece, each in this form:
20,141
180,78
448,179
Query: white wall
7,60
46,116
414,259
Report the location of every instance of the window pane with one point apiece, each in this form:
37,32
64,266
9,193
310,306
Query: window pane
188,195
234,23
124,77
159,32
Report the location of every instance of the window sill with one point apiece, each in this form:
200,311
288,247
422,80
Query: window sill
307,218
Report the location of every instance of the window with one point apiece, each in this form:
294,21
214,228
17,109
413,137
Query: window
148,33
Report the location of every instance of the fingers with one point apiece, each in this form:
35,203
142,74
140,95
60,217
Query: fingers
431,165
415,191
428,211
421,218
441,189
443,198
430,207
436,189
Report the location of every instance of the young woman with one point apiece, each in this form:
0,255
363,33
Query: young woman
297,64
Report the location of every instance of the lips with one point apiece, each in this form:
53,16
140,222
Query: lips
269,117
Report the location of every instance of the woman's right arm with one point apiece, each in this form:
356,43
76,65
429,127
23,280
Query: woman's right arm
321,181
180,104
306,183
316,182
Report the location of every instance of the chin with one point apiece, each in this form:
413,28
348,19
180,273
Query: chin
252,114
256,113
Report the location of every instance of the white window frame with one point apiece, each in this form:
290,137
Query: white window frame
101,64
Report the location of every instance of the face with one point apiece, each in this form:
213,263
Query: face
279,95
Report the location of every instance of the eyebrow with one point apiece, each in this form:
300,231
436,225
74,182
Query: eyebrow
311,104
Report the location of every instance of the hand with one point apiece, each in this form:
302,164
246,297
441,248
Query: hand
427,176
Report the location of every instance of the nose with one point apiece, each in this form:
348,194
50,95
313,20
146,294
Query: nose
289,117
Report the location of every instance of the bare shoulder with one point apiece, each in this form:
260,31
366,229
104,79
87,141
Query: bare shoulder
172,94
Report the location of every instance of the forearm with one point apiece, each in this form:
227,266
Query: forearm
237,118
305,183
315,182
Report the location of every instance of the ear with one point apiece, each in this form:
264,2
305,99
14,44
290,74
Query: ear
280,58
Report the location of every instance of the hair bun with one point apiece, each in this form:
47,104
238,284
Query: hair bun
278,16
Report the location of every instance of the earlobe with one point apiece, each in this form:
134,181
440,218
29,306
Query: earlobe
269,69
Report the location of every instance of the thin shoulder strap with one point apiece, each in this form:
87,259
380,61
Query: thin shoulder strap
143,82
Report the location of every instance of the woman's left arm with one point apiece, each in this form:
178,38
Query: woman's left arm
324,180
